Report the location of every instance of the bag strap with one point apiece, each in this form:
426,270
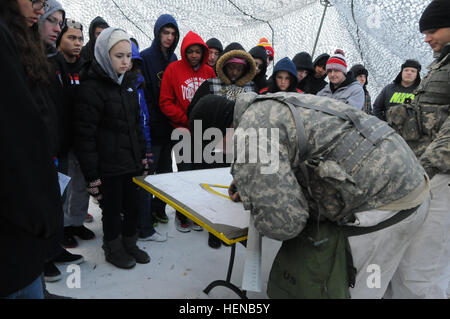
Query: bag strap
301,132
303,146
350,231
365,128
351,149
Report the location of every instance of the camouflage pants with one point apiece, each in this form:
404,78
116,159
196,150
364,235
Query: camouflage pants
426,263
378,256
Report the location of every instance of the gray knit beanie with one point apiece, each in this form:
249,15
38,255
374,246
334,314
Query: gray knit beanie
52,7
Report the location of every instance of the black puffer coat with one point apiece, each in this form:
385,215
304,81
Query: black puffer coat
30,201
108,133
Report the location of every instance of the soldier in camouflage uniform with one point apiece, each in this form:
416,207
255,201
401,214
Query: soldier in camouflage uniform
354,178
359,172
425,125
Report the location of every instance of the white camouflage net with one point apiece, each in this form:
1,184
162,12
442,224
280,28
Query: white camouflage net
380,34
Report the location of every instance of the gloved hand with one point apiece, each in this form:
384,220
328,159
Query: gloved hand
94,189
146,168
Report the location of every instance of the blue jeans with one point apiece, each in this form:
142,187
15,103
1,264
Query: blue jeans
32,291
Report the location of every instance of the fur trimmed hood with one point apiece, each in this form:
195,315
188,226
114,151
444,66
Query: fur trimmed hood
250,70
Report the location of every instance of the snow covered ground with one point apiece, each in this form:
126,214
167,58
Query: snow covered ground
181,268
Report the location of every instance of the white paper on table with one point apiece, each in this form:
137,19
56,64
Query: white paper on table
251,280
63,182
185,187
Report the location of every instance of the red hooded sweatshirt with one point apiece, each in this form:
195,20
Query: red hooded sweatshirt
180,81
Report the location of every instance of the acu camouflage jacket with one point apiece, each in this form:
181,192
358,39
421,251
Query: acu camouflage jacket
278,198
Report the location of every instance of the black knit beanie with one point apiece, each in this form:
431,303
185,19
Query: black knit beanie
214,43
259,52
435,16
233,46
359,69
214,111
303,60
321,60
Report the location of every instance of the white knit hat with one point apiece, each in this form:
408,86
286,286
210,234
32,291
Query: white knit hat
117,36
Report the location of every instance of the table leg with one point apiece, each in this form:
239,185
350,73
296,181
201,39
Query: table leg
227,283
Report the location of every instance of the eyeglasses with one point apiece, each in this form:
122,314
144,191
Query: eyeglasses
73,24
54,22
39,4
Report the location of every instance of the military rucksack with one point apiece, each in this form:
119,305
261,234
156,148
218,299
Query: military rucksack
317,264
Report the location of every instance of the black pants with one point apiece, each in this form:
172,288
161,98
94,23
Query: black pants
120,196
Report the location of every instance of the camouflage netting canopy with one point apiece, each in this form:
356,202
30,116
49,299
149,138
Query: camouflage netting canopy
379,34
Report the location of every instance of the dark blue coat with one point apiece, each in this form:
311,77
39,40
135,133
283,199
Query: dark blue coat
287,65
140,85
154,64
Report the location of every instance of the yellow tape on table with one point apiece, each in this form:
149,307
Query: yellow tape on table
208,187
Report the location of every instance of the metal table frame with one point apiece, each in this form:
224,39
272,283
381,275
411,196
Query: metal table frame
232,242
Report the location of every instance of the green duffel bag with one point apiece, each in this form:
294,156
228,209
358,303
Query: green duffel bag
317,264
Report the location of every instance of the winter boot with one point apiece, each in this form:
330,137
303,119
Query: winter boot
116,254
131,248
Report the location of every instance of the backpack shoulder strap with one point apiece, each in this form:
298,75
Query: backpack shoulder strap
301,133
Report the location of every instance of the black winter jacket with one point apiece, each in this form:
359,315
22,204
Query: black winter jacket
30,202
311,84
108,133
67,78
50,114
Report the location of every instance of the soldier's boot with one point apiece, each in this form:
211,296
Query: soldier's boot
116,254
131,248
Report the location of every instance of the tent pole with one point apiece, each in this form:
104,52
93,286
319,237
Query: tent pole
326,4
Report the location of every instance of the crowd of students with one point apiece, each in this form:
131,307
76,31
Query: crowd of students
104,112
